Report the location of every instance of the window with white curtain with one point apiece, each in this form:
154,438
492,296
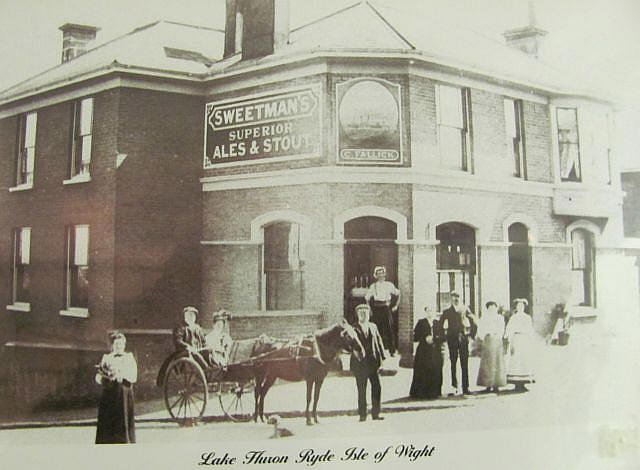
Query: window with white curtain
77,273
25,159
21,276
82,137
569,144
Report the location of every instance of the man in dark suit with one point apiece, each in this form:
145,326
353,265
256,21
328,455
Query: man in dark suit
460,324
366,369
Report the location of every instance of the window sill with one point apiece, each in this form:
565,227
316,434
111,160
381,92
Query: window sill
78,179
21,187
19,307
75,312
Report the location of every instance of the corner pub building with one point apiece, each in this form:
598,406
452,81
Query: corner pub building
267,169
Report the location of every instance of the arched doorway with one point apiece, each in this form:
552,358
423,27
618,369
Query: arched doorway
519,262
456,264
369,242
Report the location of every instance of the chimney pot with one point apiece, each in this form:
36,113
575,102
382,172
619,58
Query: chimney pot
76,39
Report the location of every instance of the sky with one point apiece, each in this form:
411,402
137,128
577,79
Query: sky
599,39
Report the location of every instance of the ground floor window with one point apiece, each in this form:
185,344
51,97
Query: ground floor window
21,279
77,272
283,281
582,264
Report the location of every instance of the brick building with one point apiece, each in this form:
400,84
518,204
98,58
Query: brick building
456,162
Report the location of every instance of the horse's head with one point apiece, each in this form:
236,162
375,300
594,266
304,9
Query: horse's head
349,340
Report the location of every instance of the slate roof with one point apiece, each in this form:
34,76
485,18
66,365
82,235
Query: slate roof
366,27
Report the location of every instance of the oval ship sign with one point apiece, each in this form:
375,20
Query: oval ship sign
280,125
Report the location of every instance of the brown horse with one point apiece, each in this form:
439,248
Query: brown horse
308,359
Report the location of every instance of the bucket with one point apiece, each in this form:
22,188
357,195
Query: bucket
563,338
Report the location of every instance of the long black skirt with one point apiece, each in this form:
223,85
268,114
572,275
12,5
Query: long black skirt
116,419
427,371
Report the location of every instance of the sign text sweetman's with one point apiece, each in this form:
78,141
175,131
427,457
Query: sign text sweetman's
284,124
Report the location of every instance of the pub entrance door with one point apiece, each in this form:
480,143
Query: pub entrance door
370,242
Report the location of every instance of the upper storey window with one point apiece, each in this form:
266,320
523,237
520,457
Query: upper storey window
568,144
25,157
453,109
82,138
514,127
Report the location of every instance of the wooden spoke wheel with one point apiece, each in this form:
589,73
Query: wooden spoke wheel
237,400
185,390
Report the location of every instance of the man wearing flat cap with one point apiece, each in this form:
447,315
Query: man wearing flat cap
384,298
460,324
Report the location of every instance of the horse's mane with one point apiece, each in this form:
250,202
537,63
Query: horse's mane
324,332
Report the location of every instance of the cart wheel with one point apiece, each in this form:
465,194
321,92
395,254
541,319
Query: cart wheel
185,390
237,400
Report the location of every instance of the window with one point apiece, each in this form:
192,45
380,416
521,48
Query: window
26,149
283,275
514,127
453,109
77,273
582,261
568,144
81,137
21,276
455,263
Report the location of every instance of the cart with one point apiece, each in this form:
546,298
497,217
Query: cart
190,382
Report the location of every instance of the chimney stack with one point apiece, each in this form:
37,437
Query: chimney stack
256,28
527,39
76,39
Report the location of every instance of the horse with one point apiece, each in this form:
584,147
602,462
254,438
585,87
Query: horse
308,359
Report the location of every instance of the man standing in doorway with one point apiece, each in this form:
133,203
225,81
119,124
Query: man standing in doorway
380,296
459,324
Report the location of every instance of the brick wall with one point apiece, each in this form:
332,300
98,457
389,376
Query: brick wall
47,208
48,379
422,108
158,207
537,131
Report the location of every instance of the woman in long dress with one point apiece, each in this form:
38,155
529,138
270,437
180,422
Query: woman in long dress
427,365
491,328
519,332
117,372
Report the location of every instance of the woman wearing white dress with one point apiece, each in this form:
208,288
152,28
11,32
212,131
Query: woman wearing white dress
491,329
519,333
117,372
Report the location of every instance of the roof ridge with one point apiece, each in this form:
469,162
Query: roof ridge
322,18
388,23
196,26
100,46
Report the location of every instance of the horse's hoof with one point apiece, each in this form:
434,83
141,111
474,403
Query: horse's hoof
309,422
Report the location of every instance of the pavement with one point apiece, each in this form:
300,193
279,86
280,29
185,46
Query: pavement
582,384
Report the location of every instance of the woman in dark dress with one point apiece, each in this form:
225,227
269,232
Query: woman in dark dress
117,373
427,365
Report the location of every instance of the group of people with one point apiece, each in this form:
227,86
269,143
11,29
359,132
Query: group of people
505,348
118,371
505,357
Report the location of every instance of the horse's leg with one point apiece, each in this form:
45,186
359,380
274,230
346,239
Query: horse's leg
266,385
316,397
306,411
